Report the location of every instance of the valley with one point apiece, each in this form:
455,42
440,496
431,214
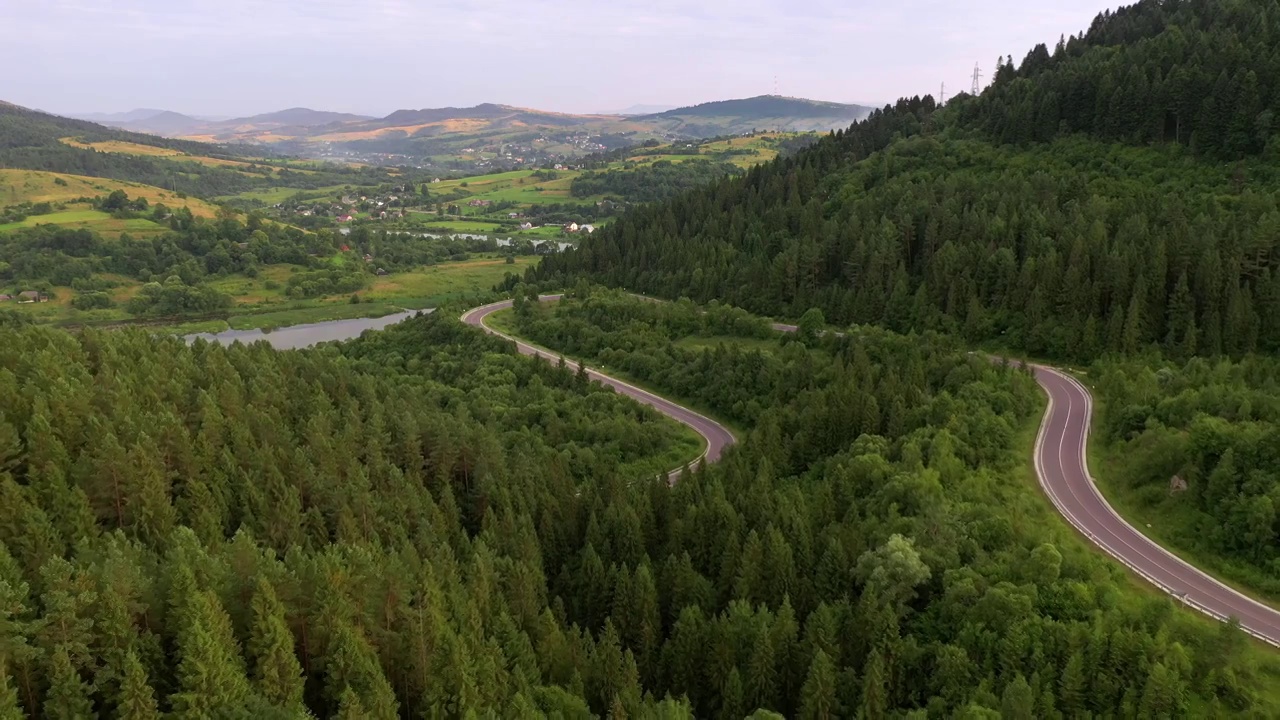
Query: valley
967,406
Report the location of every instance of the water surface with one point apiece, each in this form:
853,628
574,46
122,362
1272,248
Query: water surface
306,335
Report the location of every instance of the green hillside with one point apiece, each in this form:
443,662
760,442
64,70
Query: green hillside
766,112
31,140
1112,202
1037,216
424,523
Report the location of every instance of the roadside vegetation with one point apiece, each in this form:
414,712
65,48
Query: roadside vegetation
1192,449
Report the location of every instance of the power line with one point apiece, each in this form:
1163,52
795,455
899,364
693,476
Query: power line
942,96
977,79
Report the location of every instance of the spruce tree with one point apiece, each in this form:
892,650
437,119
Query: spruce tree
875,687
818,697
1017,702
10,709
1072,687
137,699
210,674
69,696
276,672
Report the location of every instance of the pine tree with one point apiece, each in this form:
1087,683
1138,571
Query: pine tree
1071,689
67,620
351,663
276,673
17,656
733,703
818,699
1164,694
68,696
350,707
875,687
137,700
9,707
210,674
762,674
1018,702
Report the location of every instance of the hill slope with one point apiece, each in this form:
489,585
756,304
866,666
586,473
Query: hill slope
33,140
491,131
301,117
767,106
1039,215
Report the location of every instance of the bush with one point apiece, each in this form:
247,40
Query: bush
92,301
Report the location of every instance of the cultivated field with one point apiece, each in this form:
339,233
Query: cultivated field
128,148
19,186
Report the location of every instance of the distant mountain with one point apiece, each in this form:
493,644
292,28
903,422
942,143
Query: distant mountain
301,117
119,118
166,123
492,128
503,114
22,127
773,112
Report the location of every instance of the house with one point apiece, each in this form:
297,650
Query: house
480,203
5,298
345,218
571,227
526,226
368,258
30,296
381,271
513,215
588,229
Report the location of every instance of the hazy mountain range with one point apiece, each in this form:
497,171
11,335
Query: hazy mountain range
305,125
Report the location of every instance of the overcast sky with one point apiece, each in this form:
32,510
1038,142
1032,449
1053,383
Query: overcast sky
240,57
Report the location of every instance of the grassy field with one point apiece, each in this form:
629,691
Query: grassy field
697,342
19,186
272,196
128,148
463,226
261,302
89,219
763,148
517,186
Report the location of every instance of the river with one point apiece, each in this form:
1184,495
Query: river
303,336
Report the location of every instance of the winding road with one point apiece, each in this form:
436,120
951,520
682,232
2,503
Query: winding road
717,436
1064,475
1062,469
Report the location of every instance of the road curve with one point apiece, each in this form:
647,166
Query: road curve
717,436
1060,465
1064,475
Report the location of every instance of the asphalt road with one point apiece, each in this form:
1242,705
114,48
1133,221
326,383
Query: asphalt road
1064,475
717,436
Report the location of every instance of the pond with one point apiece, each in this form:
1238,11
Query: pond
302,336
